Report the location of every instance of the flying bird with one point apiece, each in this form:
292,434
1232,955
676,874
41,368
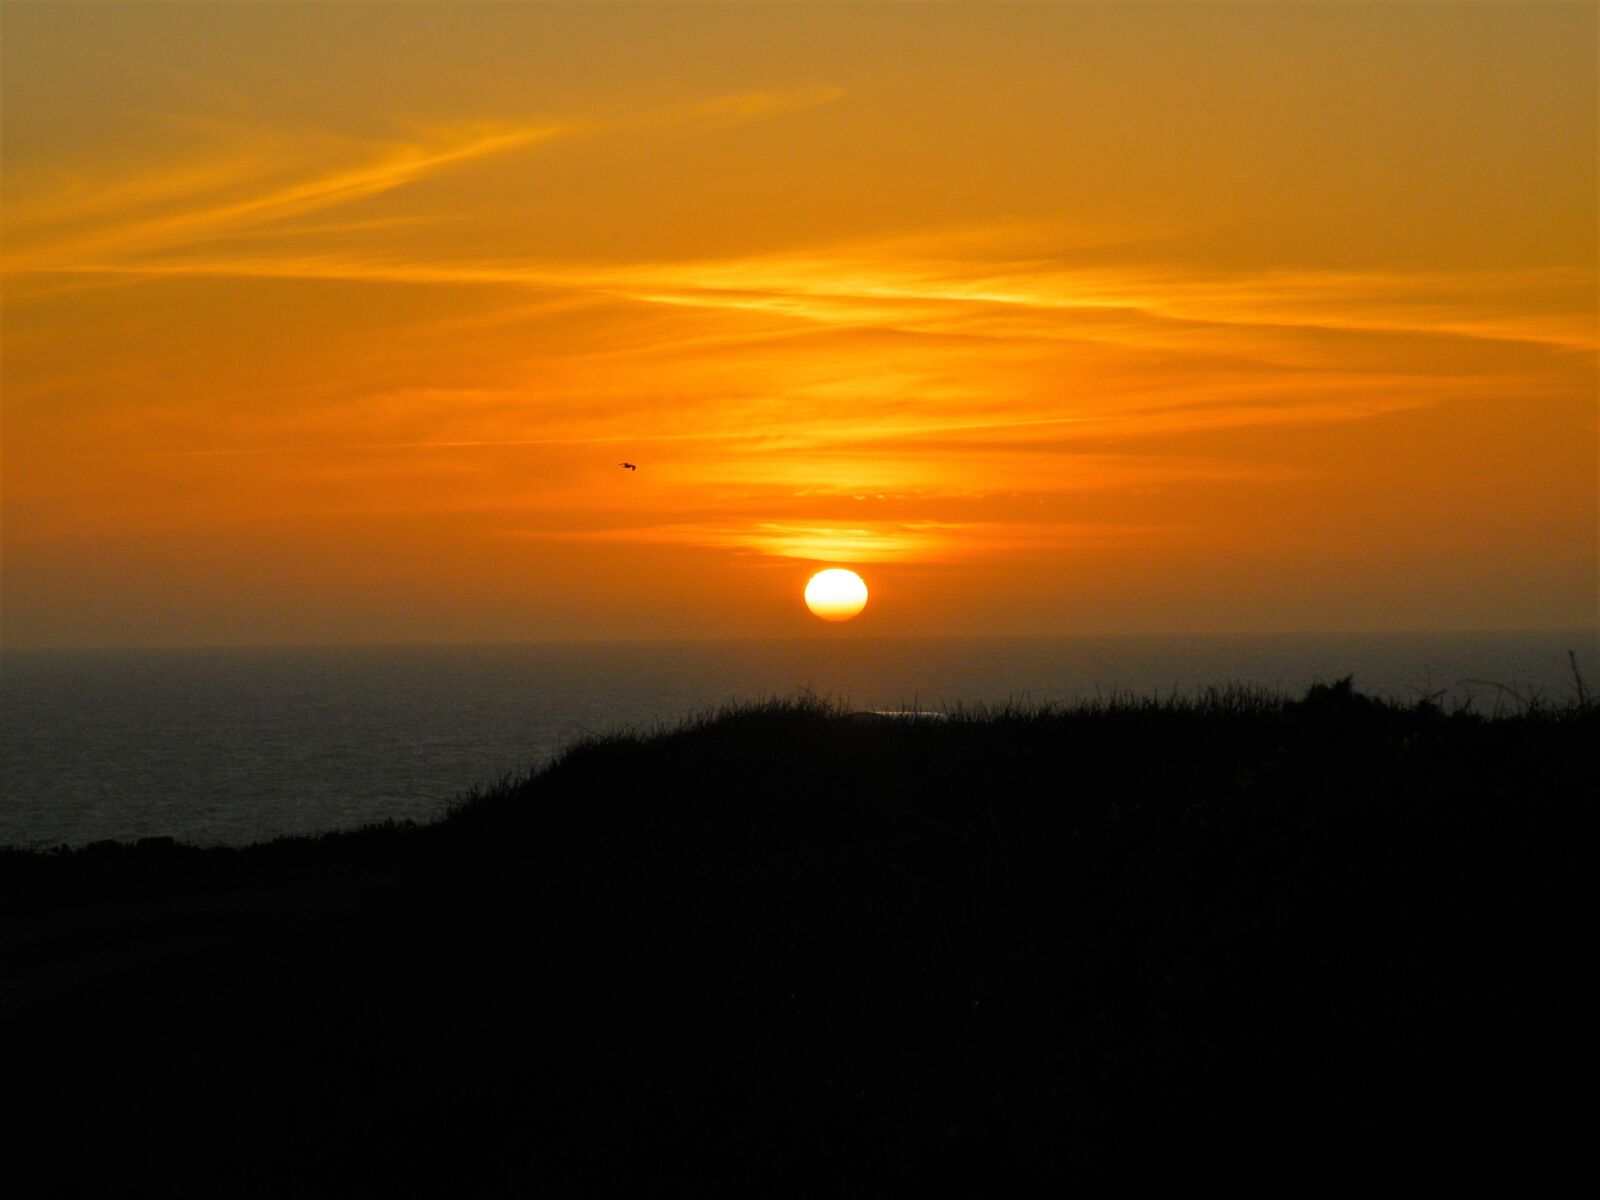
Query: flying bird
629,466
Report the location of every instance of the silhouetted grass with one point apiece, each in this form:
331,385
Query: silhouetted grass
1225,940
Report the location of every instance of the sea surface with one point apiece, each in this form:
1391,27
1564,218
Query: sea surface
232,746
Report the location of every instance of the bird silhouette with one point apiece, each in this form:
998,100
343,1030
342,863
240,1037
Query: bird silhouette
629,466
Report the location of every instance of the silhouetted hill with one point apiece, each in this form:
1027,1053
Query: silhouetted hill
1236,942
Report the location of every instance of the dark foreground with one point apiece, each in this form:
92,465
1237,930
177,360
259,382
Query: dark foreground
784,952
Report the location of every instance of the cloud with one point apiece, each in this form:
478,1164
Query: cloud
250,183
876,542
862,367
885,287
247,179
756,106
1039,358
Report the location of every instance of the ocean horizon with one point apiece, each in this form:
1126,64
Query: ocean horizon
233,745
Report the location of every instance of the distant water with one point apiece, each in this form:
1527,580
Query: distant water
236,745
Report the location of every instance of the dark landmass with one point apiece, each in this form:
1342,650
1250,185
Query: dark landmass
1238,942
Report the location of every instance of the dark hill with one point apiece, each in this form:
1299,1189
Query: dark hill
1238,943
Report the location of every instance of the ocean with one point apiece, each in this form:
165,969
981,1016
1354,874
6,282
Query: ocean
233,746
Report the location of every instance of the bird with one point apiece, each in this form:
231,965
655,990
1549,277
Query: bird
628,466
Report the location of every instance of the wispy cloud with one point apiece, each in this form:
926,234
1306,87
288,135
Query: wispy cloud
761,390
244,180
876,542
160,211
1133,303
762,105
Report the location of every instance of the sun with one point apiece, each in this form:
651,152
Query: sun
836,594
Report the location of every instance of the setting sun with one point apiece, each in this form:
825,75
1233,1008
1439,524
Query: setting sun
836,594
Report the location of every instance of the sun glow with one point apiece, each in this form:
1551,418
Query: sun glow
836,594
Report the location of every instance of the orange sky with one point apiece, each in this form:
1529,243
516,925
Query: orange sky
332,322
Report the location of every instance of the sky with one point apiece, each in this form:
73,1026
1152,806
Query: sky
333,323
